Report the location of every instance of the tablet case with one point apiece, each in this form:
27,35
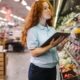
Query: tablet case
55,37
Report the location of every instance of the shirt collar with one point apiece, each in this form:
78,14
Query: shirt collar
43,28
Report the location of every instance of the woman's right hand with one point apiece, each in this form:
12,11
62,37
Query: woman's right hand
53,43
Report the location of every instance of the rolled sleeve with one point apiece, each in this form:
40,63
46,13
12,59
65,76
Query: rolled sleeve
32,41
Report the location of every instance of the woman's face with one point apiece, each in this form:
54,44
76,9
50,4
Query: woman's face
46,13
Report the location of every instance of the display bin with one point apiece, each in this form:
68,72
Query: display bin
74,78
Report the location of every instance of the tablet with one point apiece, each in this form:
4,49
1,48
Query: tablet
55,37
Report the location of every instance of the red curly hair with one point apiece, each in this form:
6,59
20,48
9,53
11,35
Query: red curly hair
33,17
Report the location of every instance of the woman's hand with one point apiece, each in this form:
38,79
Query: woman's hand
41,50
53,43
61,45
65,41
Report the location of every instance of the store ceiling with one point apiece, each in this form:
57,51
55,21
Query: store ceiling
17,8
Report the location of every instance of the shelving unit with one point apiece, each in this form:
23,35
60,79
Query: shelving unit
2,56
73,59
76,74
77,77
2,65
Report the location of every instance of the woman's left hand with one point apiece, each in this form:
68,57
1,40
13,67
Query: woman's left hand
61,45
65,41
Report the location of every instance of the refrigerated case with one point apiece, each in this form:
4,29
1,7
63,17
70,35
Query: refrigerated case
70,61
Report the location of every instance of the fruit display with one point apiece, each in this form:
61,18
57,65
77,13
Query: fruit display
68,68
69,57
65,22
73,46
74,49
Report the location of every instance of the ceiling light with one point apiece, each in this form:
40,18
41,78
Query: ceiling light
16,0
23,2
19,18
11,23
28,8
3,19
2,11
14,16
0,0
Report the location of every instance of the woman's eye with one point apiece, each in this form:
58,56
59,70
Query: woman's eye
45,8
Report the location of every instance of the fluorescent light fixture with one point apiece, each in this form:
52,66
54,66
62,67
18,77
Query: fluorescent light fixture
23,2
2,11
19,18
14,16
2,23
28,8
11,23
16,0
3,19
0,0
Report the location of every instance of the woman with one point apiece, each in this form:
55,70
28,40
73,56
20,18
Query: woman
38,28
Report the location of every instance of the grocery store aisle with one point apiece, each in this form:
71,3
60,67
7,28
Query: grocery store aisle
17,66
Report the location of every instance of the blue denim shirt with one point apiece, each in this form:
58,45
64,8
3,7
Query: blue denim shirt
36,36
